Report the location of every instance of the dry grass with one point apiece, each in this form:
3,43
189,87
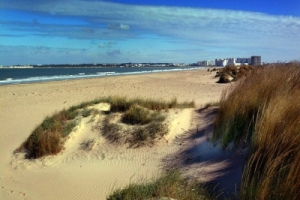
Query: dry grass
263,112
122,104
46,139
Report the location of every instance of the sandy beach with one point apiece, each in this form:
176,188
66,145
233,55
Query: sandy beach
78,173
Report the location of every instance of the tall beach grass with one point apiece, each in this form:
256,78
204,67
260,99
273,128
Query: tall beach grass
262,111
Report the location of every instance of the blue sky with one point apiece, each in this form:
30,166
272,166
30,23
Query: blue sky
91,31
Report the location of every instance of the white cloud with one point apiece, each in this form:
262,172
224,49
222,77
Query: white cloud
199,24
209,28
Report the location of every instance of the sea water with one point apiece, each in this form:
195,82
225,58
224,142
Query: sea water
31,75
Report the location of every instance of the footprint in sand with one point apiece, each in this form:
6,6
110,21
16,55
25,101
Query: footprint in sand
22,194
10,191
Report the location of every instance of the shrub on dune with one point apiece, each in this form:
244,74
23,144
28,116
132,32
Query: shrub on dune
233,73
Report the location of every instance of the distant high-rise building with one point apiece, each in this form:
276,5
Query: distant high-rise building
221,62
231,61
211,63
243,61
206,63
255,60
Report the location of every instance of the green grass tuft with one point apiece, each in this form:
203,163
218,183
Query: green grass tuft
140,115
170,185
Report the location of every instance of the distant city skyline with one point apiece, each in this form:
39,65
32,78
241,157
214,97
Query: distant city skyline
121,31
253,60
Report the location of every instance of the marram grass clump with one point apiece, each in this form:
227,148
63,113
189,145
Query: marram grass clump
262,111
48,138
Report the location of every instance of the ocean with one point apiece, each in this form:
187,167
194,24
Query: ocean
10,76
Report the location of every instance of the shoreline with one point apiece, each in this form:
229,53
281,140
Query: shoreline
78,76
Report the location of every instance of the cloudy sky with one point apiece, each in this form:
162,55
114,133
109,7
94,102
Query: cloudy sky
94,31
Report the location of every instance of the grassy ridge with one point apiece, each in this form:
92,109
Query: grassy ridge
122,104
48,137
262,111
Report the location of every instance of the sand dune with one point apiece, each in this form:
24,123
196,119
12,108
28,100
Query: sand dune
90,167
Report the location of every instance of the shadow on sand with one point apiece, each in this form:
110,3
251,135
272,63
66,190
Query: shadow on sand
200,158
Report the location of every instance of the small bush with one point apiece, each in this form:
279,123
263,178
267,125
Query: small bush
232,73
